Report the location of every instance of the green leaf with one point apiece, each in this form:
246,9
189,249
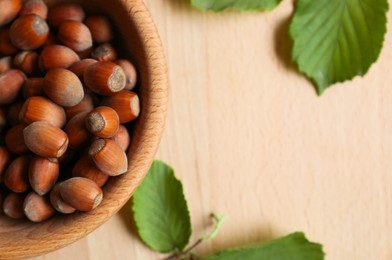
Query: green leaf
241,5
336,40
292,247
160,210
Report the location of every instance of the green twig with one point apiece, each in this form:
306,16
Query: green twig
187,253
219,222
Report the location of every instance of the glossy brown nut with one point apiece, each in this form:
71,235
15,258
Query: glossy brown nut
75,35
13,113
6,46
43,174
102,122
6,64
33,87
45,139
3,118
86,168
105,78
11,83
37,208
14,140
57,56
86,105
109,157
9,9
38,108
27,61
80,66
100,28
37,7
122,138
85,54
130,73
58,203
29,32
81,193
126,103
16,176
5,159
13,205
104,52
78,135
63,87
64,12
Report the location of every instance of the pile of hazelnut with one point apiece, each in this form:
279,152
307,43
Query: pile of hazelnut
64,97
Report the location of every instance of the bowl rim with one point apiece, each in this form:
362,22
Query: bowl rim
58,232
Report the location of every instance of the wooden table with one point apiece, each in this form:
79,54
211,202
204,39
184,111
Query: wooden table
249,137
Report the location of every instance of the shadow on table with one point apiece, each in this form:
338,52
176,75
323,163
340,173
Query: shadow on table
126,216
254,235
284,44
181,4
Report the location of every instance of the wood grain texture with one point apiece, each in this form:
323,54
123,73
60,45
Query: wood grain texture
248,136
22,238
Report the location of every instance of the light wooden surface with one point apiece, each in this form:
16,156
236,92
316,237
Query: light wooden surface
248,137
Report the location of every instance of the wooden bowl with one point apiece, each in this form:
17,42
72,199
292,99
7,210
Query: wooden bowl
140,40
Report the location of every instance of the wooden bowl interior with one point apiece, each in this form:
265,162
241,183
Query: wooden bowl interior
140,42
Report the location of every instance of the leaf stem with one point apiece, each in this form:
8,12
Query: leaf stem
187,252
219,222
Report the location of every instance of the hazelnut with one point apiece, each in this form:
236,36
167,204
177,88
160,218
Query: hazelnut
29,32
39,108
33,87
100,28
75,35
6,46
37,208
64,12
37,7
80,66
87,169
11,83
43,174
125,103
5,159
13,205
5,64
63,87
78,136
130,73
86,105
102,122
27,61
104,52
45,140
81,193
14,140
105,78
58,203
9,9
3,118
16,176
122,138
57,56
109,157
